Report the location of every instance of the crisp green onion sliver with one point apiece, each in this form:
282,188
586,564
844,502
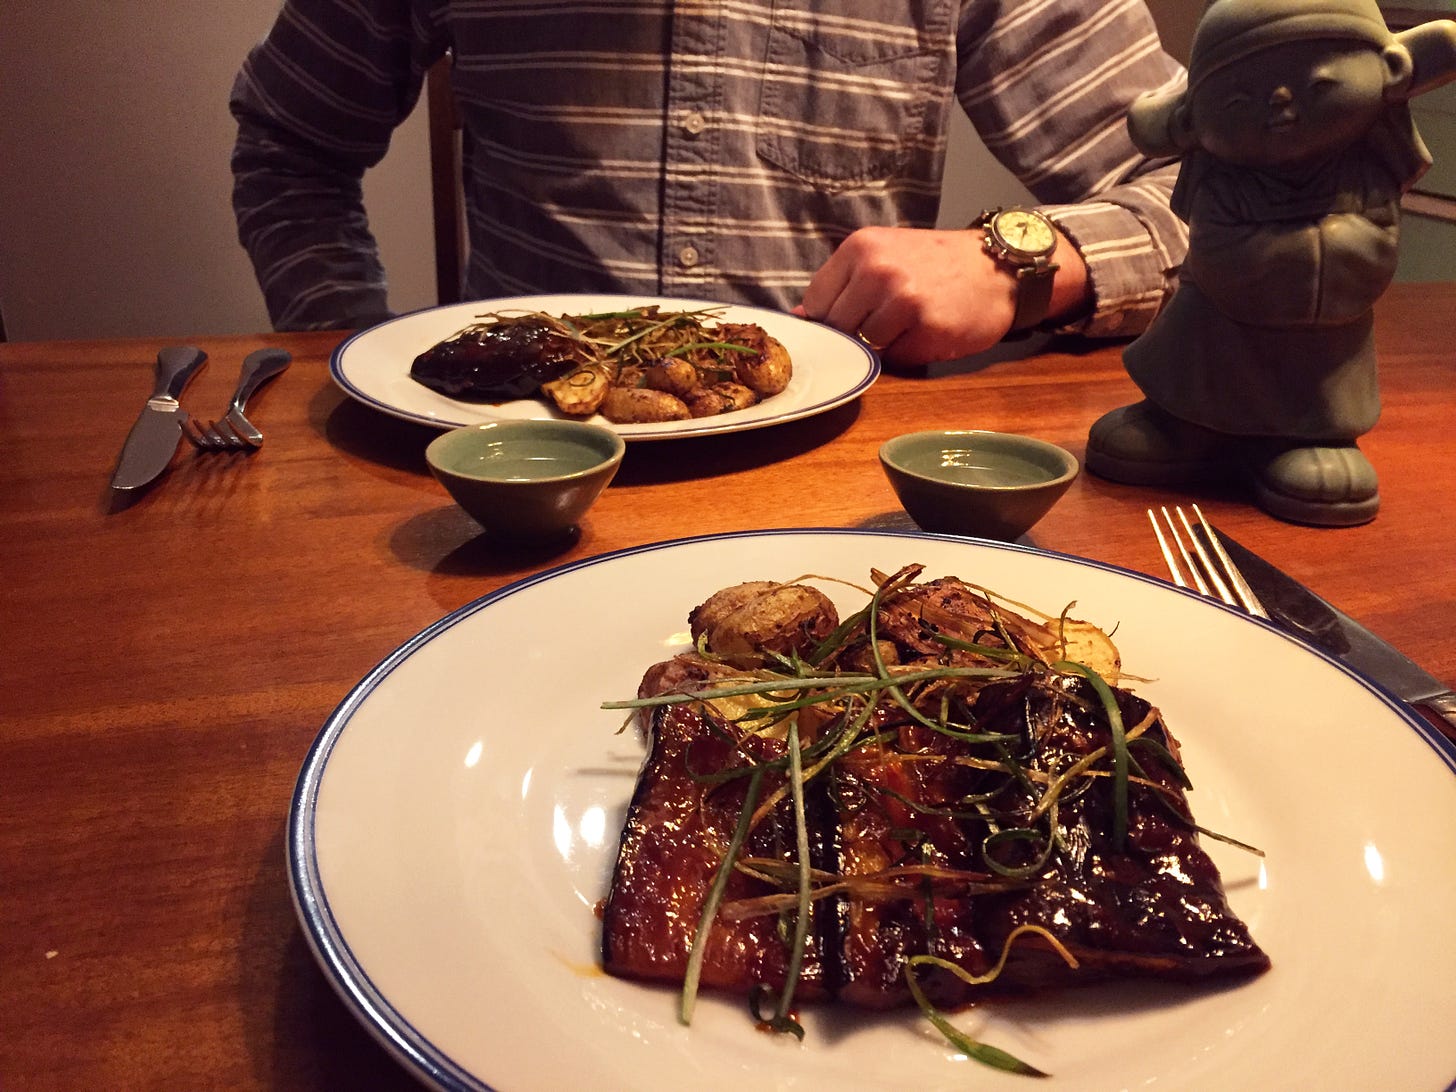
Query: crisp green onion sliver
779,710
980,650
694,972
1165,756
1019,834
728,345
1119,748
801,838
836,685
835,640
930,809
984,1053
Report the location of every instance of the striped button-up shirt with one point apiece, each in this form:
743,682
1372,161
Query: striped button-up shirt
708,148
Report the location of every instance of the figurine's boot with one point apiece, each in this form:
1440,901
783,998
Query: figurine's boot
1328,486
1141,444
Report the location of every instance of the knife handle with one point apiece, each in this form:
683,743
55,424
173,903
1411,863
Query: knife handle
1441,706
175,365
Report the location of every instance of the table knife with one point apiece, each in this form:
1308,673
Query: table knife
1298,609
154,438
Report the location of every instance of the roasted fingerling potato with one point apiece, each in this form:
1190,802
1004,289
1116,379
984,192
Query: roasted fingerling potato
581,392
760,614
674,375
720,398
642,405
767,368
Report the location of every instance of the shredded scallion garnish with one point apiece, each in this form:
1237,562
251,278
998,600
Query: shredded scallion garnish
689,997
847,706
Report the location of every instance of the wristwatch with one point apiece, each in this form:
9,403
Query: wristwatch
1024,240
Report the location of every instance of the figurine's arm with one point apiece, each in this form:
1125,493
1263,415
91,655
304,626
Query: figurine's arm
1432,48
1158,122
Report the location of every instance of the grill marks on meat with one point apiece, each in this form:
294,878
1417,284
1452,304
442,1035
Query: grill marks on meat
1155,907
879,831
897,823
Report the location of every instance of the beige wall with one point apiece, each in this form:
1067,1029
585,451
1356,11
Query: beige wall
114,199
1176,20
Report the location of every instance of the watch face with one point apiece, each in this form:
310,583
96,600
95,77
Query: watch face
1027,232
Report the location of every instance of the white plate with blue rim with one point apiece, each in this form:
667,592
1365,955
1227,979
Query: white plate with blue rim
455,825
373,366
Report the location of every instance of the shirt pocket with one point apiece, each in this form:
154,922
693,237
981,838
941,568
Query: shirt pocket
846,98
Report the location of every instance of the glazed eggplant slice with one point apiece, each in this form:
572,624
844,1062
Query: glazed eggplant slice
498,361
998,819
678,829
1152,906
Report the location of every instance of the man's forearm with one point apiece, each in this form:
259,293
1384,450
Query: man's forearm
304,227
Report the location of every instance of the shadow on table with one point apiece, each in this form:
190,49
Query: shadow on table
378,438
298,1032
999,353
650,462
445,540
1005,352
898,520
369,434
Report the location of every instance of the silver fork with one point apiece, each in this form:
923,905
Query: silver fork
234,432
1208,564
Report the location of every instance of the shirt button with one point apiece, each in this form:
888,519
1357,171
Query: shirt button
688,257
694,123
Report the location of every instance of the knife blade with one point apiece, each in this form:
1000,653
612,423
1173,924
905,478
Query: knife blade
1298,609
154,437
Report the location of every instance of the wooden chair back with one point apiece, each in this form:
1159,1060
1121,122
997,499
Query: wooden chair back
447,194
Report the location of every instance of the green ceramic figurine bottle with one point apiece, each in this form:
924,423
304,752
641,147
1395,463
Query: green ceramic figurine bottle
1296,145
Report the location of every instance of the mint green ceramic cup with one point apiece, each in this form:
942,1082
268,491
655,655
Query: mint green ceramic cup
526,480
983,484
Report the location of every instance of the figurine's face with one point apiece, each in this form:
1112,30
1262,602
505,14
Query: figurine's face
1289,103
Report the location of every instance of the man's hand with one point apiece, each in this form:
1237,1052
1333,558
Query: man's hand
921,296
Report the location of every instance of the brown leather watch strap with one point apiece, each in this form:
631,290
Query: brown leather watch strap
1033,297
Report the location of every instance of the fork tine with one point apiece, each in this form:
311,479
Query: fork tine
194,433
1174,569
1171,555
228,435
1247,599
215,436
1212,560
1220,588
1194,570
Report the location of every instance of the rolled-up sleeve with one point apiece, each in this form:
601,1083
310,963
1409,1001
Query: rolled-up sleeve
1047,84
316,103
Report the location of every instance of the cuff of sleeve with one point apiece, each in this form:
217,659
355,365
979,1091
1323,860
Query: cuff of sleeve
337,303
1129,273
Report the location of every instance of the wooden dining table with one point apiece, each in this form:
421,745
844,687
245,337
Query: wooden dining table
170,656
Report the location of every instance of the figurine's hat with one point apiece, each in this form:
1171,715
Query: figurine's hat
1231,29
